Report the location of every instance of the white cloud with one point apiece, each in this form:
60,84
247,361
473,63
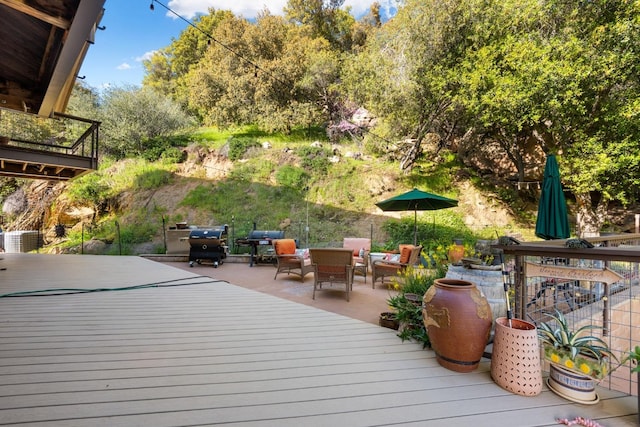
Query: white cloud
145,56
245,8
123,66
249,8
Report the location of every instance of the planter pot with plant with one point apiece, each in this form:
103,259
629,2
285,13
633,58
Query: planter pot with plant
634,357
407,304
389,319
578,360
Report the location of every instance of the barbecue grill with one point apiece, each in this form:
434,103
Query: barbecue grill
260,238
208,244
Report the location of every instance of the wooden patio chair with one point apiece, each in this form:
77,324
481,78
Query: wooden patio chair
289,261
332,266
361,248
381,269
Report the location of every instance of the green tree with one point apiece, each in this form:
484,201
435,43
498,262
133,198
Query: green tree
167,69
564,75
551,76
323,18
131,116
84,102
263,73
404,76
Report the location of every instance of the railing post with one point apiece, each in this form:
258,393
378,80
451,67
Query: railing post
520,287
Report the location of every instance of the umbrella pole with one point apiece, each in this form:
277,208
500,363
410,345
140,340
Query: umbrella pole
505,284
415,226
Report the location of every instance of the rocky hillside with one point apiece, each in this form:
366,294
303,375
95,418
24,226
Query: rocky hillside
44,205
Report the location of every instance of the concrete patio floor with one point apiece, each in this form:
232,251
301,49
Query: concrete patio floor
365,303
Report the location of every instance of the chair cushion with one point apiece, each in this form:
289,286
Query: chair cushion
285,246
303,253
356,243
405,254
392,257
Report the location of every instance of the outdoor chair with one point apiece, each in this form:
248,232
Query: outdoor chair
290,260
332,266
361,248
381,269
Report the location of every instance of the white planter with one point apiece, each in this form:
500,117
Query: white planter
572,386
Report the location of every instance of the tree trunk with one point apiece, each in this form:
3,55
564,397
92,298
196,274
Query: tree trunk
590,218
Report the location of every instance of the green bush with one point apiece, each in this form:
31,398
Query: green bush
314,159
89,189
238,147
291,176
416,281
151,179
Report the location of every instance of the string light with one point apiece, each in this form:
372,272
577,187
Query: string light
151,6
211,38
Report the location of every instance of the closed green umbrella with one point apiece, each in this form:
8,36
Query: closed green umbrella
553,221
416,200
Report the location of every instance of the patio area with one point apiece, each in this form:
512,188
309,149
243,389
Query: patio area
127,341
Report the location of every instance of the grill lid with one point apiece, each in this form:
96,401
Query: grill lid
206,234
265,234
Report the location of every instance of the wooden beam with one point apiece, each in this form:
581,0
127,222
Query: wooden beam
21,6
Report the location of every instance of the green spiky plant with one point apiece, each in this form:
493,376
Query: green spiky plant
574,350
634,357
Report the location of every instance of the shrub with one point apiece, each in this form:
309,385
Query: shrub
291,176
89,189
414,280
238,147
151,179
314,159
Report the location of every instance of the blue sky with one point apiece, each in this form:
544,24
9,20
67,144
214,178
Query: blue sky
133,32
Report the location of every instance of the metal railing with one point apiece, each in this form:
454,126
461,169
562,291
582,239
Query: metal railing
61,134
612,305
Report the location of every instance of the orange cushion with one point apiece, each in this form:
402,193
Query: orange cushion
285,246
405,254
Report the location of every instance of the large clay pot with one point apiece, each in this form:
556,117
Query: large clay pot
489,280
515,360
458,321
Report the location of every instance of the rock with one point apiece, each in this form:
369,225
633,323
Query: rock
94,247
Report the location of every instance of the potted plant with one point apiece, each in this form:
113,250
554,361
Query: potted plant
634,357
577,359
389,319
411,285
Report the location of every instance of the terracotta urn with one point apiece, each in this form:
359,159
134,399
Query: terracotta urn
458,320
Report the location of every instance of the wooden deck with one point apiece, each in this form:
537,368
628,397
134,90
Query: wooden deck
159,346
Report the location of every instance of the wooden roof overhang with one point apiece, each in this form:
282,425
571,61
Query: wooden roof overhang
44,43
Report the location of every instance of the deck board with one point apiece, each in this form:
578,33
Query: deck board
193,351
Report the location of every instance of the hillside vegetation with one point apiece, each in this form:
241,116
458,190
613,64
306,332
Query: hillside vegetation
248,178
433,98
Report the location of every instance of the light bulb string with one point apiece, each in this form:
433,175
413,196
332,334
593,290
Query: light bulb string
209,36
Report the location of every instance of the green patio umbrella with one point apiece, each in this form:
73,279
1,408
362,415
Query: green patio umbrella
553,221
416,200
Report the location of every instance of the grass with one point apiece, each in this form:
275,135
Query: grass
317,201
